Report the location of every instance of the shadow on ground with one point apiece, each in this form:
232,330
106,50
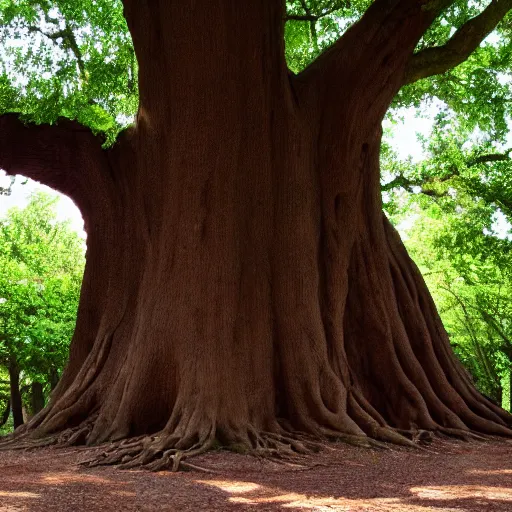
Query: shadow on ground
450,476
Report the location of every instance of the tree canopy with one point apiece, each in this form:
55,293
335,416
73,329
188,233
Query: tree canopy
76,60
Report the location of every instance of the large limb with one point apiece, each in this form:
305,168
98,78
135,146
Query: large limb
437,60
70,159
66,157
381,41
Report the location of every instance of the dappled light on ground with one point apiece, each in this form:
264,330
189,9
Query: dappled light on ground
490,472
67,478
242,493
232,487
449,477
451,492
12,494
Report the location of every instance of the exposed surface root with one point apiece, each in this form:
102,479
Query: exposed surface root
465,435
164,451
417,436
160,452
28,439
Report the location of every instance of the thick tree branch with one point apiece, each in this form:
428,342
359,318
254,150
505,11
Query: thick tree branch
385,21
409,185
369,58
69,39
491,157
434,61
313,17
65,156
303,17
400,181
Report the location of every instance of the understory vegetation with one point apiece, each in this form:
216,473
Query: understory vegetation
42,262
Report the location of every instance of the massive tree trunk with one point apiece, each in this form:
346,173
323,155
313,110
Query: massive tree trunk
242,283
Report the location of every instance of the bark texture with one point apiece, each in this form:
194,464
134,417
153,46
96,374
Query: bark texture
242,284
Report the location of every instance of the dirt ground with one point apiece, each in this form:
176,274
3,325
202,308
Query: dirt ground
450,476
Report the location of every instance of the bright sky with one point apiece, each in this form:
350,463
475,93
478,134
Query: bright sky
405,135
21,191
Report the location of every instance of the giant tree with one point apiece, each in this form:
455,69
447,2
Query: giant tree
242,284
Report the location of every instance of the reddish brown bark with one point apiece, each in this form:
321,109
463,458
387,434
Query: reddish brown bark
242,283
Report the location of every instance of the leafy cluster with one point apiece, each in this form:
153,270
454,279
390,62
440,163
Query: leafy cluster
70,59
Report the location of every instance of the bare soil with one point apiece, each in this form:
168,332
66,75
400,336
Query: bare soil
449,476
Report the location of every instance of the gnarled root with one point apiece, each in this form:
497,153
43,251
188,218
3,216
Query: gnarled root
163,451
27,439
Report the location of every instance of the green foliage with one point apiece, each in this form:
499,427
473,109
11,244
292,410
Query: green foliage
70,59
448,206
42,266
76,59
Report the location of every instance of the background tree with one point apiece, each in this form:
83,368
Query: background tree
242,283
459,197
42,266
5,401
471,285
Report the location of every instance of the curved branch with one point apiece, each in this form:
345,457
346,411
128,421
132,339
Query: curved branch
437,60
312,17
400,181
65,156
369,60
491,157
383,21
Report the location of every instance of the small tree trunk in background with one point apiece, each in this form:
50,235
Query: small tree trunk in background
54,378
16,404
37,398
508,396
5,415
